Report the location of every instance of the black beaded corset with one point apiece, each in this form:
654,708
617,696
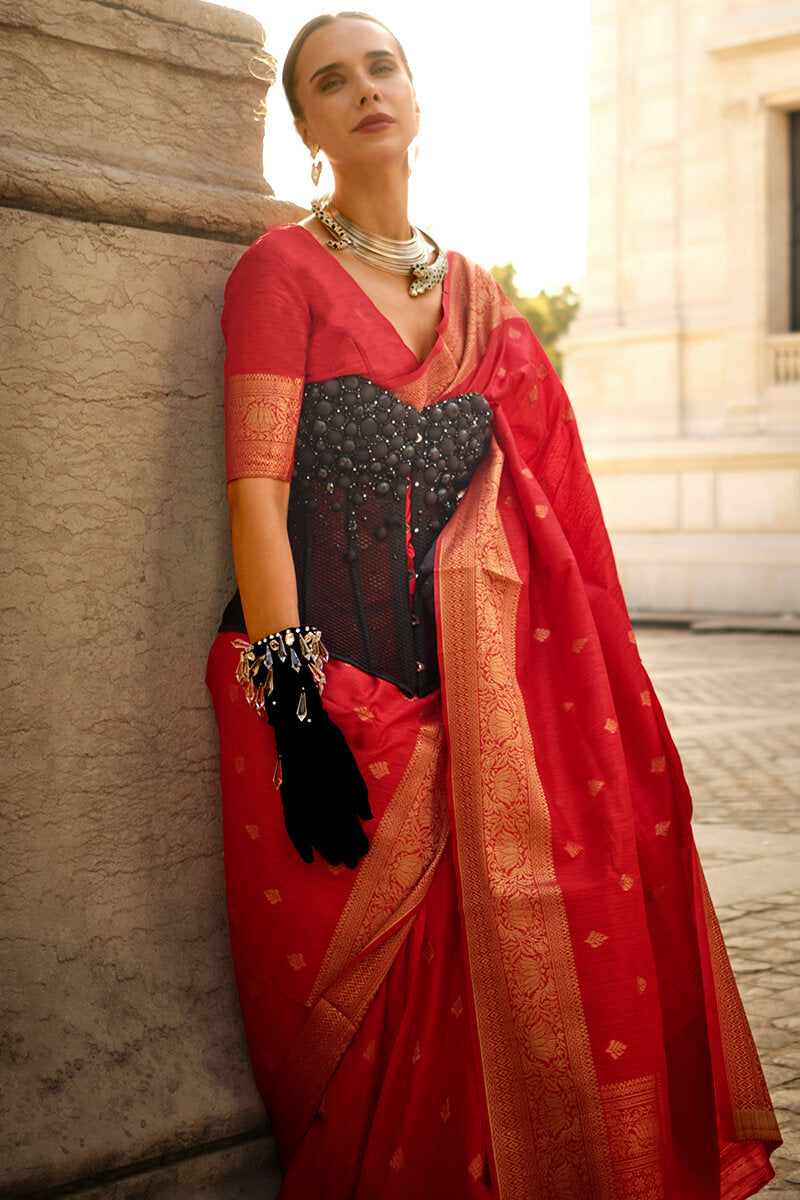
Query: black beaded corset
366,468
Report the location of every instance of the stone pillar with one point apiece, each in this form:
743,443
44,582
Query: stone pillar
131,180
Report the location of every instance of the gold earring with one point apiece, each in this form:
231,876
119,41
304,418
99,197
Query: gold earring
316,166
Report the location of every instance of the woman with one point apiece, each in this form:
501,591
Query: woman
500,974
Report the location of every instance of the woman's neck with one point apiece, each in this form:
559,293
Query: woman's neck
377,202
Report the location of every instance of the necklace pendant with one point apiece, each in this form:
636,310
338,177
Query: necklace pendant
427,275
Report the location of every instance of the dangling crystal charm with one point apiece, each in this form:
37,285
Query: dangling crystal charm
256,668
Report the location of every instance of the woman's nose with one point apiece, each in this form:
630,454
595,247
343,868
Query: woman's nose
369,90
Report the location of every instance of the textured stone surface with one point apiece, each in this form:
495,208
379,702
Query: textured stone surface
122,1035
245,1172
113,114
122,1056
188,34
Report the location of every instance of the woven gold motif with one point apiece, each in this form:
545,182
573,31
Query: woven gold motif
261,415
634,1110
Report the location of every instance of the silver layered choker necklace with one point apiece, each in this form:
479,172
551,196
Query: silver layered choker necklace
402,258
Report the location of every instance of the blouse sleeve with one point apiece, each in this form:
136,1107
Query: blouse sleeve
266,324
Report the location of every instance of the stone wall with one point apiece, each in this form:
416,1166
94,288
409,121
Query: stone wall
681,365
131,180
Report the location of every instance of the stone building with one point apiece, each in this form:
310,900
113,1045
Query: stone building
684,364
131,181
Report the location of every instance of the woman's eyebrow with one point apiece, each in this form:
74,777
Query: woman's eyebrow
334,66
337,66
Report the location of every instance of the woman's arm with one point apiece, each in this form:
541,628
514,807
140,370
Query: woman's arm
262,554
323,792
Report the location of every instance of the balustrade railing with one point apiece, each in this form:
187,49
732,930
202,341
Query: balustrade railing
783,363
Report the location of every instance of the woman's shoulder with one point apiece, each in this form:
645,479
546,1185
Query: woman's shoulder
279,244
273,261
477,286
470,271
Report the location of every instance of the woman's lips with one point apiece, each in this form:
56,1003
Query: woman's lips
373,123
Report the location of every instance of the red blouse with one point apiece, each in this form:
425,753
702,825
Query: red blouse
293,315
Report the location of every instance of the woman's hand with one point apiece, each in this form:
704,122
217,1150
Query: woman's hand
323,792
324,795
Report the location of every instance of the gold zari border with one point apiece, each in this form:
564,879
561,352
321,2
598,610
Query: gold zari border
547,1129
391,883
261,415
476,307
636,1117
753,1116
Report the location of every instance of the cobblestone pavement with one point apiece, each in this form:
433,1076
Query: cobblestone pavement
733,706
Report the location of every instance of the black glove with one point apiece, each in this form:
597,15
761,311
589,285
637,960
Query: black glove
324,795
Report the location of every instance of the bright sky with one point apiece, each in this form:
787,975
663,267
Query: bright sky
502,173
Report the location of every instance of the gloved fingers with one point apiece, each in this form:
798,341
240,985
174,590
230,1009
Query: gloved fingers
357,793
353,775
302,846
357,845
296,829
363,810
324,798
344,842
328,845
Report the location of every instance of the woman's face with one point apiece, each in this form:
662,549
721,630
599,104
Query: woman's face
347,71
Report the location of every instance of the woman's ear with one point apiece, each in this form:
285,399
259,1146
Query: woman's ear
304,132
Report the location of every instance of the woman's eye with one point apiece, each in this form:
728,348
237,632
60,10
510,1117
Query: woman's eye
329,83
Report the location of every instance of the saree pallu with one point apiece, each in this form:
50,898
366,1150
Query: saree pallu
522,990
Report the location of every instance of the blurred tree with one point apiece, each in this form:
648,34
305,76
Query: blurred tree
549,314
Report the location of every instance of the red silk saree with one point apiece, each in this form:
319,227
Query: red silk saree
522,990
